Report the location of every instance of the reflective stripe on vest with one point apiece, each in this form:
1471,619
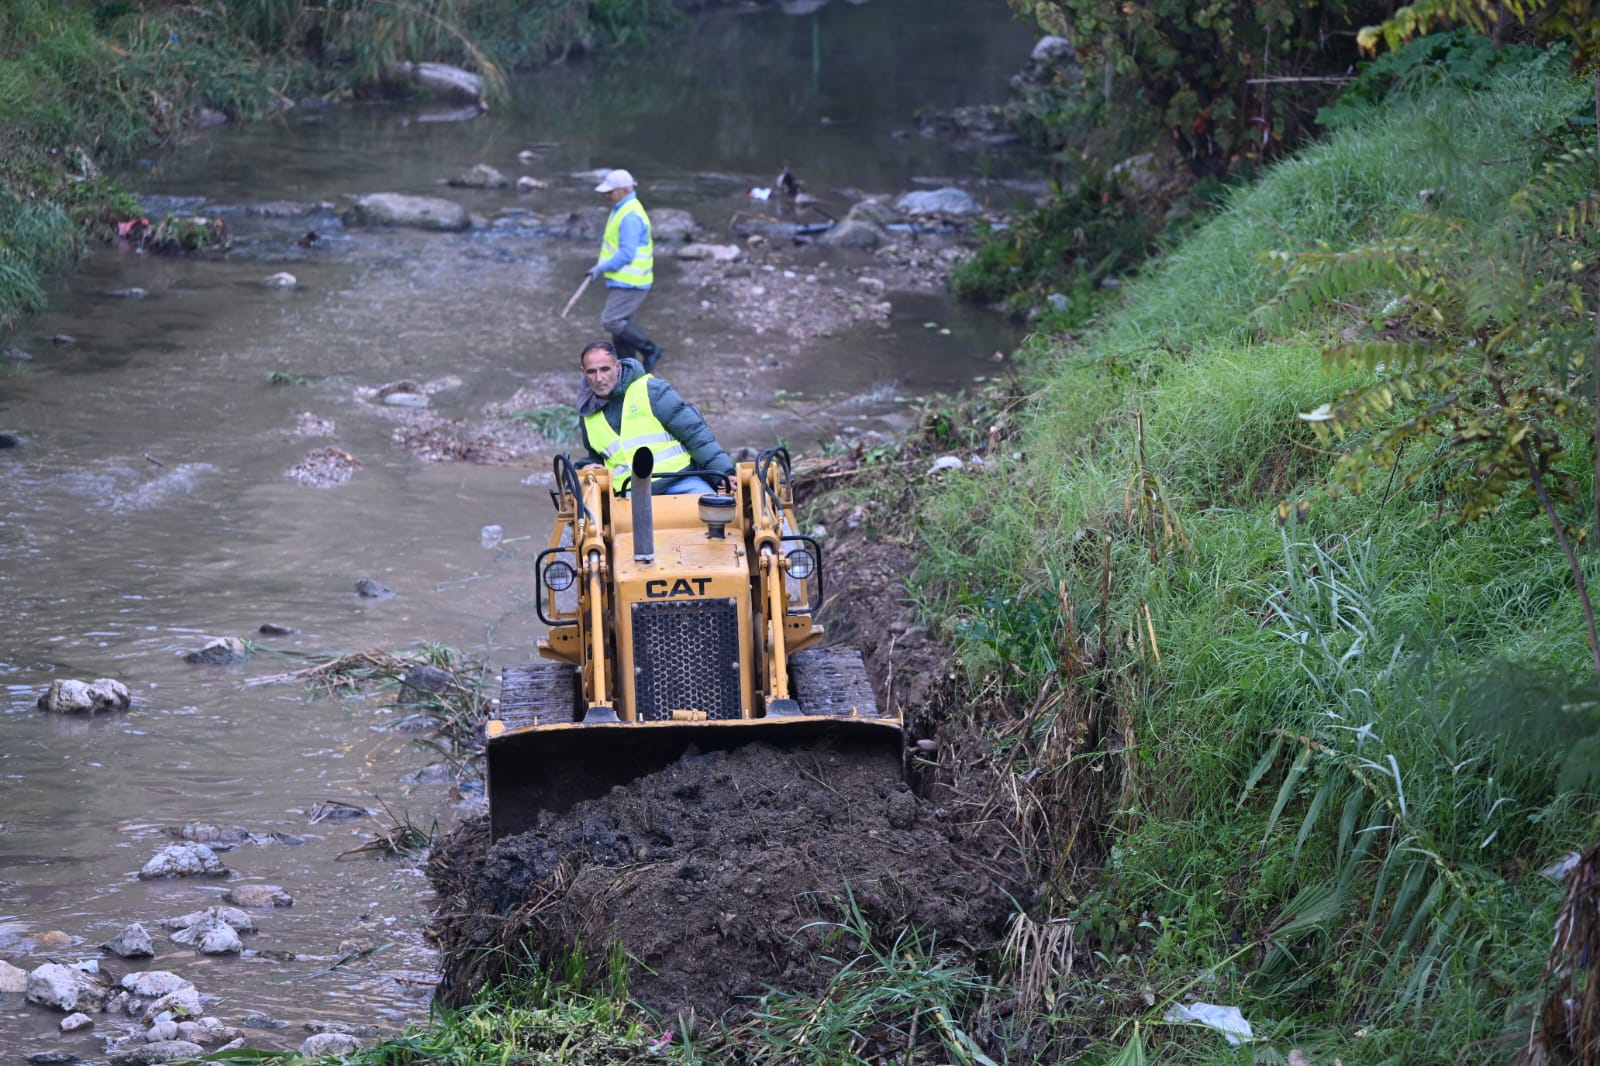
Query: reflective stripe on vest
641,272
640,428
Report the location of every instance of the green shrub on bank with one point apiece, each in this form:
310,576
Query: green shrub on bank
1322,817
86,85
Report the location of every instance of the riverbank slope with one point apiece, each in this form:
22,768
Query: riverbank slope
1317,656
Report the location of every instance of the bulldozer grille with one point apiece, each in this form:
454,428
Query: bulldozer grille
686,657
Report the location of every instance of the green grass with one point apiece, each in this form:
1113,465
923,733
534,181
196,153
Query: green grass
1331,805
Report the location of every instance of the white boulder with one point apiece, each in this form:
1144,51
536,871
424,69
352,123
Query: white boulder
85,697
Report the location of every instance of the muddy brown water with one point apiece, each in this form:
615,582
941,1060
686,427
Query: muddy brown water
146,507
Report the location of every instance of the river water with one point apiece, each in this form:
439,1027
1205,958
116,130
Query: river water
146,508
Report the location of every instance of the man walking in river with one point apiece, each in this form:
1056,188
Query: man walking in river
622,406
627,262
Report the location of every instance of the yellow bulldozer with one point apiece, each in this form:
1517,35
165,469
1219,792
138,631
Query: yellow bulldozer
676,623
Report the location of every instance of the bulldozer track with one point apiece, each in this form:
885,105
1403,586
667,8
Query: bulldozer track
832,681
539,693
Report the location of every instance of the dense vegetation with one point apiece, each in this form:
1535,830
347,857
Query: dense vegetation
1354,725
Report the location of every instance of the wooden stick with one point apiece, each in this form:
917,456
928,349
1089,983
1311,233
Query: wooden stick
586,279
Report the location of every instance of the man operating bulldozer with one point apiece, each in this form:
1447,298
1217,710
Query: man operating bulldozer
622,407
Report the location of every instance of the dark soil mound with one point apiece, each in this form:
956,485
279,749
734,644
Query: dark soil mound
711,872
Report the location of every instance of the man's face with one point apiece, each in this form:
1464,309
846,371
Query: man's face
600,370
616,196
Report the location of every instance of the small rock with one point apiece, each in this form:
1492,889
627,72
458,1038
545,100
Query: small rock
65,988
10,440
527,184
424,680
163,1028
221,651
206,833
73,1022
669,225
14,355
134,293
210,936
78,697
160,1051
444,79
12,978
53,1058
945,462
273,629
154,983
258,896
63,340
395,209
206,117
207,1031
946,201
324,1044
181,1004
233,917
183,860
854,233
716,253
405,399
373,590
280,280
478,176
132,943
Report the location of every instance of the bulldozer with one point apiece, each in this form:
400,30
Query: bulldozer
677,624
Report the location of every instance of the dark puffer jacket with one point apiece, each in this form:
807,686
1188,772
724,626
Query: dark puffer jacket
681,418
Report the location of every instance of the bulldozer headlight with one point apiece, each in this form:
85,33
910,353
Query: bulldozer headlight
801,563
559,576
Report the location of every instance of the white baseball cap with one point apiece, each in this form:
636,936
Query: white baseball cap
615,179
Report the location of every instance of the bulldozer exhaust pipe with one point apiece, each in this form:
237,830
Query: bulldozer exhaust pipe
644,515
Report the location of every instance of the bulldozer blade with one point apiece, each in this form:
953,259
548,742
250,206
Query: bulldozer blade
556,767
542,758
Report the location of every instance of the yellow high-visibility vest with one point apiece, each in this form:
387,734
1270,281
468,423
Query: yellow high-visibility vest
640,428
641,272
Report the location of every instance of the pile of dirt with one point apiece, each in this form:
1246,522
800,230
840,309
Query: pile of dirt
713,874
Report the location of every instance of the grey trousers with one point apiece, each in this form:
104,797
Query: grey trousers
621,306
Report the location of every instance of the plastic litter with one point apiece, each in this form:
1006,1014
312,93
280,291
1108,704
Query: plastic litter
1226,1020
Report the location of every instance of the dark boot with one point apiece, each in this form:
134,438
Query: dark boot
624,349
640,346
